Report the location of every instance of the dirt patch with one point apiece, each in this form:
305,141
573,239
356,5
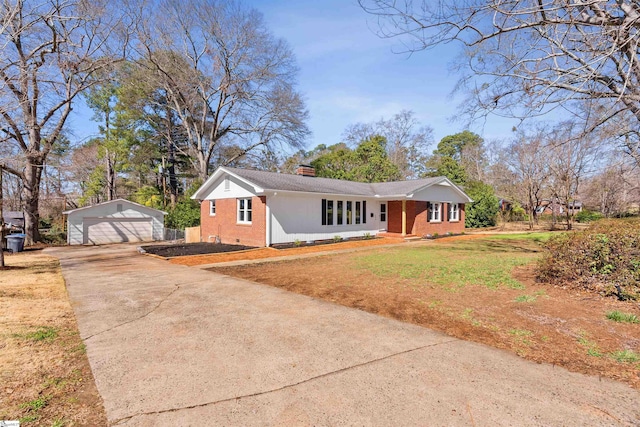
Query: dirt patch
169,251
538,322
263,253
45,378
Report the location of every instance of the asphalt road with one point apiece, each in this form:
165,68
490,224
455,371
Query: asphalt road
178,346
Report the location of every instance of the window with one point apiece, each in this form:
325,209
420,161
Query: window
435,212
339,218
364,211
212,207
329,212
357,212
244,211
383,212
454,212
349,211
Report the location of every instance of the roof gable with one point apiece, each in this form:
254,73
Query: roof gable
124,201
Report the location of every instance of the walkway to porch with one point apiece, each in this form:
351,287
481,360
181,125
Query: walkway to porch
391,235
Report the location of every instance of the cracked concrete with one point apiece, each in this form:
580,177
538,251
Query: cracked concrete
173,345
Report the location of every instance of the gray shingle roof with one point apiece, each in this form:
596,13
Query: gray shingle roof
287,182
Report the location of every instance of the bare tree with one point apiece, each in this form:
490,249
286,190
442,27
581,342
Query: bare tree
525,58
227,79
528,160
571,156
614,189
51,49
407,140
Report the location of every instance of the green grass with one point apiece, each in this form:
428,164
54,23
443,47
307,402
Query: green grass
618,316
453,265
591,346
43,333
625,356
538,237
526,298
36,404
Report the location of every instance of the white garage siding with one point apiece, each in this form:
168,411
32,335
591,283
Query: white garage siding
299,217
114,222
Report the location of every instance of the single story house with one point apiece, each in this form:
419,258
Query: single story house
115,221
549,207
257,208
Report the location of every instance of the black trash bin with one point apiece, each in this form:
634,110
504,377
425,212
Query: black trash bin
15,242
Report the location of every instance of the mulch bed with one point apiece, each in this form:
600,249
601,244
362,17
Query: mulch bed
169,251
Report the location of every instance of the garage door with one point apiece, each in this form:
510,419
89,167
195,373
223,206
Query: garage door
100,231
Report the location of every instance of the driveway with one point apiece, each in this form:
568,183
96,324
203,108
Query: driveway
174,345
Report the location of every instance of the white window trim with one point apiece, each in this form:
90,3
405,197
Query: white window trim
246,210
457,205
439,211
212,207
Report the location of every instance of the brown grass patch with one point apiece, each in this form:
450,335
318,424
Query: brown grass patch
45,376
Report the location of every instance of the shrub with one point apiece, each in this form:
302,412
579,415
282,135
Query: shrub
185,214
337,239
484,209
588,216
605,258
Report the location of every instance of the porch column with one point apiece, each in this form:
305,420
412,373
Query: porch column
404,217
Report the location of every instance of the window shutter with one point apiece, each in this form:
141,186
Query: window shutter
364,211
448,207
428,211
324,211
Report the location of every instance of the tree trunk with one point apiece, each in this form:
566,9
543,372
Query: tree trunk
173,181
111,188
1,224
31,197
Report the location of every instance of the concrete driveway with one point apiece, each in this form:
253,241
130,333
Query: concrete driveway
178,346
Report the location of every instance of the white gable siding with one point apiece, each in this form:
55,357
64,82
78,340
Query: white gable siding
299,217
77,221
440,193
237,189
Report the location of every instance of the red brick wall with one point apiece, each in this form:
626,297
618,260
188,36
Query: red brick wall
417,223
224,223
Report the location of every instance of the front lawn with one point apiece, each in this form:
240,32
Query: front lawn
45,379
475,288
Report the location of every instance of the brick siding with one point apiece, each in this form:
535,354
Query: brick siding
417,223
224,223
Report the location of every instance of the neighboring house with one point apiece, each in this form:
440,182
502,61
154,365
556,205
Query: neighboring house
548,207
258,208
116,221
14,220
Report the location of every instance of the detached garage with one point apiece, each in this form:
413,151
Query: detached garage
117,221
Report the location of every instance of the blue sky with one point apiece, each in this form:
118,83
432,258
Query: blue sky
349,75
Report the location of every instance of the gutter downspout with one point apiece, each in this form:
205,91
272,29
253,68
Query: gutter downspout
267,238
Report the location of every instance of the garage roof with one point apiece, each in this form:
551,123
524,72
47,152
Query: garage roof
115,201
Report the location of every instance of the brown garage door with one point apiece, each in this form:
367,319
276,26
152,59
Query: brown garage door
100,231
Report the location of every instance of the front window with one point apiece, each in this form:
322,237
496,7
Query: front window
329,212
435,212
244,211
339,217
349,212
212,207
454,212
383,212
357,212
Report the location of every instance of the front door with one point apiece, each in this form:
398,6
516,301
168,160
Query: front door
383,217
